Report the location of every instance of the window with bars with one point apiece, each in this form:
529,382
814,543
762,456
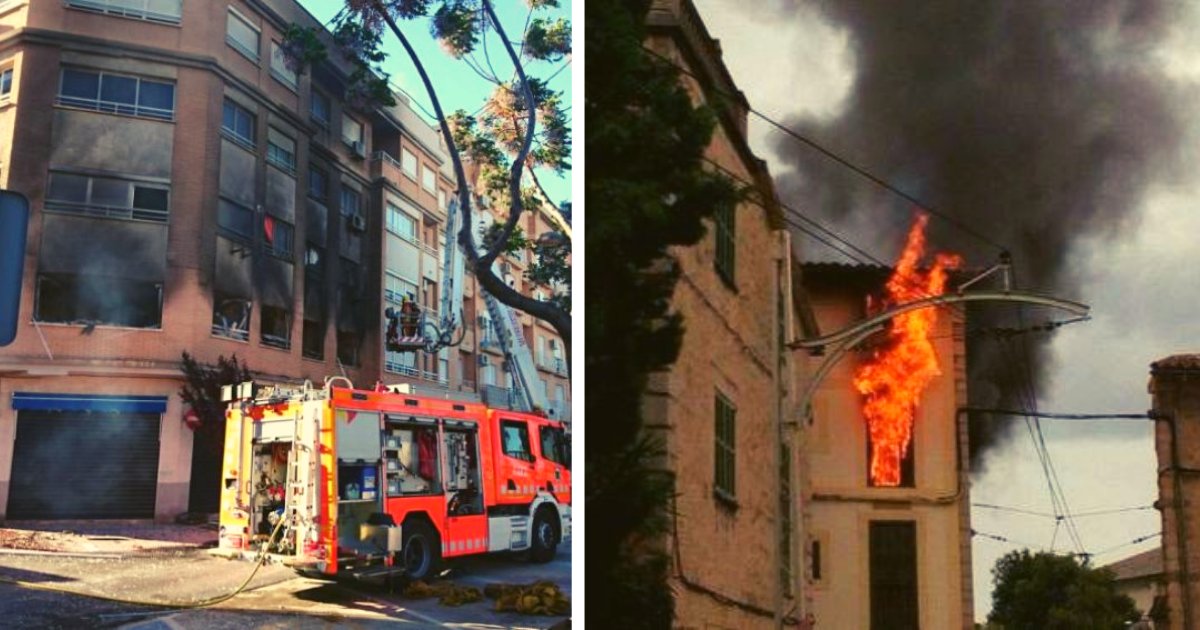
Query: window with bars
726,235
725,449
116,94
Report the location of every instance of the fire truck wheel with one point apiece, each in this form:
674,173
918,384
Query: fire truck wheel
420,552
545,537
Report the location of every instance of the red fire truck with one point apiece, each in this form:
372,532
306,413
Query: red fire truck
371,482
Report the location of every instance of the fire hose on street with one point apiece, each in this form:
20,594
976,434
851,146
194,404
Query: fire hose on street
212,601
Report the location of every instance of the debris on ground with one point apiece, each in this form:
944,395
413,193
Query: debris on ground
30,540
538,598
448,593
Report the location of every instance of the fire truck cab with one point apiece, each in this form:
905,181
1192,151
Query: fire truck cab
377,482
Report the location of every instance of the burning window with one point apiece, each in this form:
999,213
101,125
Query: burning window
725,450
231,316
277,237
94,299
908,469
276,327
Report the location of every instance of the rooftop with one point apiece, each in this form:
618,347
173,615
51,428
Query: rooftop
1145,564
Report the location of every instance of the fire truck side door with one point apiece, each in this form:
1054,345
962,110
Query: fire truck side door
466,520
515,474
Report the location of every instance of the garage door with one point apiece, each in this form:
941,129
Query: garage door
95,463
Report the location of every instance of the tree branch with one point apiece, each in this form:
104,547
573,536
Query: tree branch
482,266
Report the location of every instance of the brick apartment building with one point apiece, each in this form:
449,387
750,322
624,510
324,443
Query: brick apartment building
257,214
721,406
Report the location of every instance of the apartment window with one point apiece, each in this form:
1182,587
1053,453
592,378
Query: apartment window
560,393
428,179
313,342
489,371
318,183
83,298
235,220
108,197
352,132
231,316
278,237
401,223
281,151
893,575
279,67
514,439
276,327
165,11
347,347
351,201
6,83
726,223
441,195
725,450
408,164
319,109
242,35
396,288
117,94
815,561
238,123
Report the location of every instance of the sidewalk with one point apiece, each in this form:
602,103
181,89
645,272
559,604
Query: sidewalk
101,538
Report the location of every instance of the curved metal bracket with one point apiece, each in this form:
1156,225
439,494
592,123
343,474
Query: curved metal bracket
855,334
1074,308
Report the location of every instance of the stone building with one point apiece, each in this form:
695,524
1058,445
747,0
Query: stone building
1175,396
881,557
721,405
192,193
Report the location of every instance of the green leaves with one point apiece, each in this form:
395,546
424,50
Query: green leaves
548,40
1055,592
302,47
456,26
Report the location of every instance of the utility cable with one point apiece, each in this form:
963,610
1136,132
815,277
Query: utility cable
204,603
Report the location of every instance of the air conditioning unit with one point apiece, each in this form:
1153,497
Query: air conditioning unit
358,223
358,148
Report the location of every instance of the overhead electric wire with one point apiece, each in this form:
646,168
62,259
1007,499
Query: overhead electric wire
1028,512
859,170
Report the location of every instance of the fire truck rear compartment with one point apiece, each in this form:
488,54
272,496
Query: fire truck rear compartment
268,492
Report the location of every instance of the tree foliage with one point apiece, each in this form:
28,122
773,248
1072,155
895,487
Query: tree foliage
505,144
1046,591
648,190
202,388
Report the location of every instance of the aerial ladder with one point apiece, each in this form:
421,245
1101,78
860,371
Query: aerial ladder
410,329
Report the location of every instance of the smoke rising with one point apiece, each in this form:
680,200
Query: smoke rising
1033,122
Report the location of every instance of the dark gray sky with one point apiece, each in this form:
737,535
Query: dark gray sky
1114,230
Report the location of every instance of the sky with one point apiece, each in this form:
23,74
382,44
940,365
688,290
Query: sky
457,85
1134,268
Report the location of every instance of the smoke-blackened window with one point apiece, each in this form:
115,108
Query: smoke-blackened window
276,327
94,299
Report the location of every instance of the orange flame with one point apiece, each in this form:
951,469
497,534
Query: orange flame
894,378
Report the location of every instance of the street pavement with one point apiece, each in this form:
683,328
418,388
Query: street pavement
277,598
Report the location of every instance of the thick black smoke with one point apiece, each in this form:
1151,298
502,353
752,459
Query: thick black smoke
1033,122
